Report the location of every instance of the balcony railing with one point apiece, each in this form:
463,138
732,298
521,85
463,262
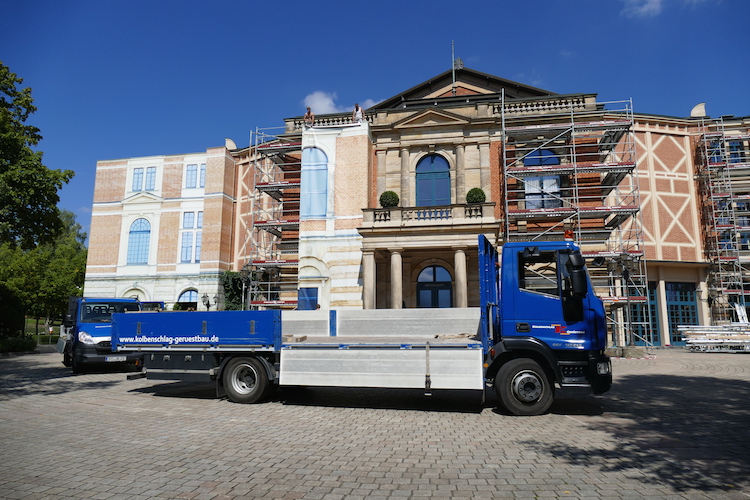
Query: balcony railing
464,214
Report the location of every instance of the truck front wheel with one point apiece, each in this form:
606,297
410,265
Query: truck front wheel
245,380
523,387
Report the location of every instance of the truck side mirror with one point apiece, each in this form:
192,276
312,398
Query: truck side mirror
576,260
68,321
579,282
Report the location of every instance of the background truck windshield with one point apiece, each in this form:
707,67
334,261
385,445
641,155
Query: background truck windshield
101,312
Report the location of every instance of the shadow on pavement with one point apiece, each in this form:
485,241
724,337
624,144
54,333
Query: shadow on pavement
685,432
397,399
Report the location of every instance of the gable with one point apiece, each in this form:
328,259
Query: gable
431,118
142,197
468,82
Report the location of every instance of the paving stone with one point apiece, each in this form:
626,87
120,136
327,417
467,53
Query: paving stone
674,426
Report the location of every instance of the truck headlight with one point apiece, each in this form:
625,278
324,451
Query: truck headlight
85,338
604,368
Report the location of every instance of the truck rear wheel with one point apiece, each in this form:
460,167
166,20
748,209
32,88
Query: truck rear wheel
245,380
523,387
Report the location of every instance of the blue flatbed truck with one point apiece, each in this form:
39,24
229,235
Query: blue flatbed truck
540,329
86,336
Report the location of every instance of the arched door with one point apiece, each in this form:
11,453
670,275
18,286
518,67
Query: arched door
434,288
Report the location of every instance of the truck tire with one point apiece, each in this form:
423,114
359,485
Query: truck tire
523,388
245,380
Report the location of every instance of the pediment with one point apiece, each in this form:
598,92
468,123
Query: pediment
465,82
431,118
142,197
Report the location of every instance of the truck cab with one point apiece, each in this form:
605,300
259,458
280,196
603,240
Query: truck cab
548,327
87,338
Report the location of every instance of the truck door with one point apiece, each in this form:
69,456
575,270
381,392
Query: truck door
546,306
489,292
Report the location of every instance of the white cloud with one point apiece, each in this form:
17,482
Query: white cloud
651,8
642,8
323,103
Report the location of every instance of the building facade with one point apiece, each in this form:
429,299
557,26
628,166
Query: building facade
655,202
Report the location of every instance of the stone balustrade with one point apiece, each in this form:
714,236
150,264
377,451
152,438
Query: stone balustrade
473,213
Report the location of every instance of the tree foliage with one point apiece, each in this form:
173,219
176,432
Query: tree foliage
28,190
232,284
41,279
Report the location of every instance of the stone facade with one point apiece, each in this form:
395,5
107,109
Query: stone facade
442,135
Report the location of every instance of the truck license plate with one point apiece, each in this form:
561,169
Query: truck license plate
114,359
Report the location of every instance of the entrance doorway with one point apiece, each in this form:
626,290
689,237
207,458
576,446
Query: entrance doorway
434,288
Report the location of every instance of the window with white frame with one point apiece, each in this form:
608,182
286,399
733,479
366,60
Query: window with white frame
191,237
139,238
195,176
143,182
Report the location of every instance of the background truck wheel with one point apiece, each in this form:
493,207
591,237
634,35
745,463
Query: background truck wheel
523,387
77,367
245,380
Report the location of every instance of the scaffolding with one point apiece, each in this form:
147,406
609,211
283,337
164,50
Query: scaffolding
572,172
724,175
274,213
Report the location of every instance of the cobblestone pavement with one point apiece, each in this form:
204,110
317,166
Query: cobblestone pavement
675,425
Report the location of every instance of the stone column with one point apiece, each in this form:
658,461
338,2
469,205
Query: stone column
405,177
460,175
368,279
459,263
484,169
378,182
397,288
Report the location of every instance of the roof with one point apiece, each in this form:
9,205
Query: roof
468,83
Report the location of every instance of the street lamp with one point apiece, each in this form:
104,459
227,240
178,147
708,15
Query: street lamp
245,277
206,301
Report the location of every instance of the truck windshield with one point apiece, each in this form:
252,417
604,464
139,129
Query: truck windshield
101,312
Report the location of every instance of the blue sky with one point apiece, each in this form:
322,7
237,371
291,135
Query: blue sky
119,79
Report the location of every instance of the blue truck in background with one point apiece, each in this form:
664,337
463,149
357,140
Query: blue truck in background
86,336
540,330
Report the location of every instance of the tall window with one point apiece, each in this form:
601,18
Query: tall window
138,242
150,178
138,179
736,152
682,308
202,176
314,189
542,191
191,237
191,176
645,332
434,287
433,181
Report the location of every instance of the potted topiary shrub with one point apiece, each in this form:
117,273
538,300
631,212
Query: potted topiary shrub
388,199
475,195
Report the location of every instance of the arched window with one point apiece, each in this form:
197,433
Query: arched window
541,157
433,181
188,296
434,287
188,300
138,241
314,188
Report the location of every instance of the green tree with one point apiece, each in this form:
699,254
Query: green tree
42,278
232,290
28,190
